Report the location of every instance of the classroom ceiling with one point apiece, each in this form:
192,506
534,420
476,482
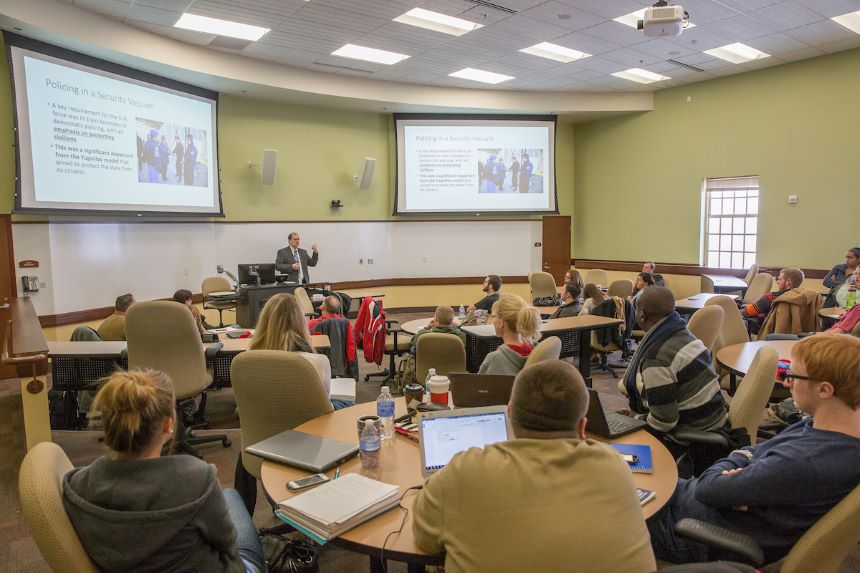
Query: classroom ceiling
304,33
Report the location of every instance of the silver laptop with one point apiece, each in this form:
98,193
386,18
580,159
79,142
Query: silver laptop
443,433
306,451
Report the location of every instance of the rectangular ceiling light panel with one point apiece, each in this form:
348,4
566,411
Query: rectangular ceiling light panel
437,22
737,53
369,54
555,52
481,76
220,27
641,76
850,21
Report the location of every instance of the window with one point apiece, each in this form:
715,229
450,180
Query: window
731,222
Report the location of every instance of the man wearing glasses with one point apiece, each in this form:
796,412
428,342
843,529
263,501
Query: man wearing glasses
778,489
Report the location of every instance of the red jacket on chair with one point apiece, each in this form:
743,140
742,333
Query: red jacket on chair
370,329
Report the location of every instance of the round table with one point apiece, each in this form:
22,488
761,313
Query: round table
832,313
738,357
400,464
414,326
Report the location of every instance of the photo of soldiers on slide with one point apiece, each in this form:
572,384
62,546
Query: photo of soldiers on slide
524,165
182,162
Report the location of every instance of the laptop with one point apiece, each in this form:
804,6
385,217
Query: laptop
475,390
313,453
609,425
443,433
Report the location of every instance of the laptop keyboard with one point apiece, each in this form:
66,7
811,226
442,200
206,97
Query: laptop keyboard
619,422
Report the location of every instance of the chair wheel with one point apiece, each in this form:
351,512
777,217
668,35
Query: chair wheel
225,442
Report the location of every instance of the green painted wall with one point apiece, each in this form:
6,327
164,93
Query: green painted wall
638,178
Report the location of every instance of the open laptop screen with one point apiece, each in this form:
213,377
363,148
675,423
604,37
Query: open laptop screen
445,436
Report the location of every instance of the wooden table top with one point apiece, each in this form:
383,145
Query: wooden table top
413,326
585,322
723,281
109,349
400,464
696,301
832,312
738,357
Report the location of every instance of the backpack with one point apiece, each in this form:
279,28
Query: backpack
405,375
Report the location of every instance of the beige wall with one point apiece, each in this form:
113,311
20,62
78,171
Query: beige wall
639,177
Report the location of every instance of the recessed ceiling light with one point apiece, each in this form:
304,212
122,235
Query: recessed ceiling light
437,22
737,53
555,52
641,76
481,76
369,54
850,21
632,19
220,27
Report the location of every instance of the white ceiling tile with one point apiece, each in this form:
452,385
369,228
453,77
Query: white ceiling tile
841,45
664,48
706,11
740,28
608,10
786,15
831,8
550,11
777,44
616,33
585,42
632,58
174,5
190,36
158,29
701,38
821,33
152,15
801,54
116,8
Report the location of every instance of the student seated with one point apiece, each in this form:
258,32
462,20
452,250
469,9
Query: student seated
331,309
778,489
113,327
574,276
670,382
135,510
839,274
183,296
651,268
643,281
548,500
593,296
518,325
839,293
491,285
443,323
755,314
570,302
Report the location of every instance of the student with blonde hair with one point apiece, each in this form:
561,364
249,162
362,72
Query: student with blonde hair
135,510
518,325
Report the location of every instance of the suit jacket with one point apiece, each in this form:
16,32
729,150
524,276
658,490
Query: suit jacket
284,263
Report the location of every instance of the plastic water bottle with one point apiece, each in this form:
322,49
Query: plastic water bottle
430,374
851,297
462,313
368,445
385,411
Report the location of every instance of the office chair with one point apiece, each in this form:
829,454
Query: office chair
621,288
793,312
40,486
162,336
732,331
444,352
705,324
305,302
751,273
542,285
547,349
217,284
707,284
336,329
596,276
761,284
615,338
822,548
275,391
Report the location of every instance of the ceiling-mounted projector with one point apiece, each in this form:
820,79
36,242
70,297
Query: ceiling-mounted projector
663,20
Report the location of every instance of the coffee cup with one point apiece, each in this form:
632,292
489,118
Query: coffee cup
439,386
414,395
375,419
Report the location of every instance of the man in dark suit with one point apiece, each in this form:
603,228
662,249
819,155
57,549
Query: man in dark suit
295,261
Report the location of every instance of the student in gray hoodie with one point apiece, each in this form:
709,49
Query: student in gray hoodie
137,511
518,325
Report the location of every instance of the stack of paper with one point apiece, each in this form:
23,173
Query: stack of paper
337,506
342,389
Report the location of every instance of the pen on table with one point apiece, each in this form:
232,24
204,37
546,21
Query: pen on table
336,473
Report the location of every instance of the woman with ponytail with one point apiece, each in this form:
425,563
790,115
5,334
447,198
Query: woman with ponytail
135,510
518,325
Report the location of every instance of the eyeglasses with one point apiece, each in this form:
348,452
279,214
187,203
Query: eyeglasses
790,377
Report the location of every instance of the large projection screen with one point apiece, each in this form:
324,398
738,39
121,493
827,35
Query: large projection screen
475,164
97,137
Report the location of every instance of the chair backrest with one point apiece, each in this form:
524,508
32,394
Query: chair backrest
596,276
215,284
275,391
733,330
621,288
826,544
751,274
40,485
336,329
761,284
705,324
542,284
85,334
162,335
444,352
752,394
547,349
304,301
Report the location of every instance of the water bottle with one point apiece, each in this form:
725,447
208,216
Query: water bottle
368,445
851,297
385,411
430,374
462,313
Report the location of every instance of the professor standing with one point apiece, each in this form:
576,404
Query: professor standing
295,261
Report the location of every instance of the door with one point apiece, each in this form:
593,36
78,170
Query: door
8,281
556,246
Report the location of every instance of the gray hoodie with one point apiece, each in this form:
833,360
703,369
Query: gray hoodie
164,514
503,360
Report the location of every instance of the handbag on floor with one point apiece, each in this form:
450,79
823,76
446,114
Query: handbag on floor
288,554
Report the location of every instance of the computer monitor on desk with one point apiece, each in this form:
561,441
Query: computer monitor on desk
249,272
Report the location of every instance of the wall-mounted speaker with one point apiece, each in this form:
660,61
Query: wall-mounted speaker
364,178
270,161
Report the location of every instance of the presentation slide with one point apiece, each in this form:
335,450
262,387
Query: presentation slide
475,165
93,140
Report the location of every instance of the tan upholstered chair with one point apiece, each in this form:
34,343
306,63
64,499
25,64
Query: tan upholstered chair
542,285
596,276
753,392
621,288
732,331
547,349
162,336
751,274
705,325
304,302
444,352
40,485
761,284
217,284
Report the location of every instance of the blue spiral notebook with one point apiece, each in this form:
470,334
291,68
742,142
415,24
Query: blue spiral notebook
643,464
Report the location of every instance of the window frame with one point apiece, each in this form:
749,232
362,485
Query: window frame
731,209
